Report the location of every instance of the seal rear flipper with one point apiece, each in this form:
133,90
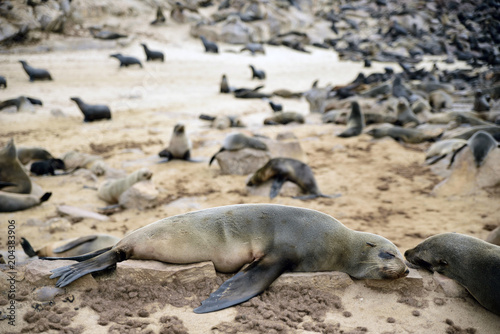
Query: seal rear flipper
213,157
276,186
45,197
73,272
79,258
28,249
452,159
72,244
244,285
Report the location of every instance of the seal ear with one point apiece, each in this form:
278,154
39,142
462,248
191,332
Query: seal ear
371,244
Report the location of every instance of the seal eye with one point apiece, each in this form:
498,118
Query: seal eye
371,244
386,255
443,262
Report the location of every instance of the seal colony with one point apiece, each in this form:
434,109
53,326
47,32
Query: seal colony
272,239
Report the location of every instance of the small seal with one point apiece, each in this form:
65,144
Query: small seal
272,239
35,73
126,60
160,18
284,117
238,141
480,102
71,247
412,136
92,112
472,262
259,74
287,169
111,190
13,179
355,122
45,167
209,46
152,55
254,48
10,202
480,145
180,146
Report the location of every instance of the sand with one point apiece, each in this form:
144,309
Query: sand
385,187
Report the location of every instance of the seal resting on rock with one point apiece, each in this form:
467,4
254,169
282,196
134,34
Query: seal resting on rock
238,141
126,60
271,239
472,262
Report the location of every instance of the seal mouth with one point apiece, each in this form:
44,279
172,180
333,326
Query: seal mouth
421,263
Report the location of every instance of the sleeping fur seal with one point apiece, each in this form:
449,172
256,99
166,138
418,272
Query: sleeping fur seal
412,136
355,123
180,145
238,141
13,178
472,262
152,54
287,169
272,239
284,117
35,73
92,112
71,247
10,202
111,190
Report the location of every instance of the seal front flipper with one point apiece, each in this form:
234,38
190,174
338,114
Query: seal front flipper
72,244
276,186
246,284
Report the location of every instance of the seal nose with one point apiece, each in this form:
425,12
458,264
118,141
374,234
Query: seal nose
407,271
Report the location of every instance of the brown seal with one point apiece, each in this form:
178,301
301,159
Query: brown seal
238,141
13,179
355,122
472,262
287,169
272,239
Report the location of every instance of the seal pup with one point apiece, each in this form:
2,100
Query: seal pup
222,122
411,136
275,106
272,239
160,18
126,60
110,190
180,146
259,74
26,154
13,179
92,112
284,117
3,82
472,262
71,247
287,169
441,149
209,46
21,102
152,55
404,113
238,141
480,102
35,73
10,202
46,166
224,85
480,145
355,122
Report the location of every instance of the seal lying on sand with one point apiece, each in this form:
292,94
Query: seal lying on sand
259,74
35,73
71,247
13,178
412,136
92,112
272,239
10,202
45,167
287,169
284,117
111,190
472,262
238,141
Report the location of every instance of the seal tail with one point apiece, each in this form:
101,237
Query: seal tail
73,272
213,157
28,249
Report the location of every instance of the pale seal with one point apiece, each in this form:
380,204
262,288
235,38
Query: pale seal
287,169
272,239
441,149
10,202
180,146
472,262
13,178
111,190
238,141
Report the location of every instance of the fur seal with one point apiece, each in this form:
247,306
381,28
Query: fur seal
152,55
287,94
224,85
472,262
441,149
254,48
440,99
287,169
105,34
355,122
404,113
209,46
412,136
259,74
238,141
35,73
180,146
480,145
160,17
111,190
480,102
13,179
275,106
21,102
126,60
222,122
46,166
71,247
92,112
272,239
3,82
10,202
284,117
26,154
245,93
